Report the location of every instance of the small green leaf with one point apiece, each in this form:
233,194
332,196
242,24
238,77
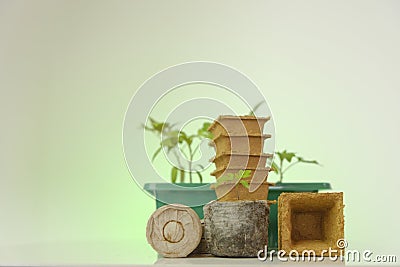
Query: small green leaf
234,177
189,140
158,126
275,167
307,161
245,183
239,174
280,155
289,156
284,155
174,174
200,176
203,131
246,174
206,125
183,137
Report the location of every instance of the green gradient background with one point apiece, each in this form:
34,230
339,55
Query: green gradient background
329,69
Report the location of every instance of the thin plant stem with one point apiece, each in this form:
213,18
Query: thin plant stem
183,151
190,162
291,165
178,159
196,148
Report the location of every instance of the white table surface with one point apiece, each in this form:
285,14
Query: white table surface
118,253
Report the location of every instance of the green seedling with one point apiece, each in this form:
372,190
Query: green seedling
289,157
173,138
234,178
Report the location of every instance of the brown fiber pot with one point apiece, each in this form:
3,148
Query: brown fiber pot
231,192
238,125
252,144
241,160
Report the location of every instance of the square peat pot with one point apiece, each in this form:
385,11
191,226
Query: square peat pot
274,193
203,194
310,221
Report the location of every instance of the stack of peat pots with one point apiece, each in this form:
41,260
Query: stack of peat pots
239,143
236,224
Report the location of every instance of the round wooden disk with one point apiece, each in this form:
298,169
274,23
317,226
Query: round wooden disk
174,230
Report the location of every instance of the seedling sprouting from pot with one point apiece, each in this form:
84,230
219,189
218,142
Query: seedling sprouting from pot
234,178
292,158
235,186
